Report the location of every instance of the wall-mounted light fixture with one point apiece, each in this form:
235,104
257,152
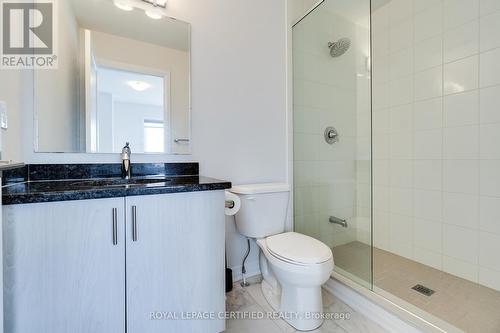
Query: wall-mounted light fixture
152,8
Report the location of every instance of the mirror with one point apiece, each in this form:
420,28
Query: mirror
122,76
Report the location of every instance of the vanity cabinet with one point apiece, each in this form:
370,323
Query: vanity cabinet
175,262
62,270
112,265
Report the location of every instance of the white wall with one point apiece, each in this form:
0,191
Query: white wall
239,73
436,124
56,96
128,123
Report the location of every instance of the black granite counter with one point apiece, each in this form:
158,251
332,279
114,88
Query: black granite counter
69,182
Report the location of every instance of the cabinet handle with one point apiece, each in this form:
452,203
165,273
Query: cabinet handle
134,223
115,226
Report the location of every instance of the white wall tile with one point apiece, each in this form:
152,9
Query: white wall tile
428,114
381,230
400,10
381,198
421,5
490,177
489,245
428,235
461,75
428,205
461,243
381,121
490,31
401,201
401,91
428,174
401,235
489,6
401,63
429,83
381,146
381,172
429,144
461,142
461,176
490,214
490,141
401,118
461,42
490,102
461,268
457,12
380,96
435,155
461,209
401,36
428,258
428,23
401,145
489,278
428,53
490,68
461,109
401,173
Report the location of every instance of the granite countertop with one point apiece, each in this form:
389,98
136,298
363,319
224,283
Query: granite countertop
63,190
34,186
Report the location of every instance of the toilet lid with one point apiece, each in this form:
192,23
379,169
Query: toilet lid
298,248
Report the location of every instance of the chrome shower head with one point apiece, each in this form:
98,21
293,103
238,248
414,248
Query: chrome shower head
339,47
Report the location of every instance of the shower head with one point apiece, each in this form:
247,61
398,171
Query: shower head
339,47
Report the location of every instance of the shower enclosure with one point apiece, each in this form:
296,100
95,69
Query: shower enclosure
396,158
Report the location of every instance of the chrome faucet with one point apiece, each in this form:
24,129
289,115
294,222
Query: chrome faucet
126,164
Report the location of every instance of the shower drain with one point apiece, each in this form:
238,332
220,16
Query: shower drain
423,290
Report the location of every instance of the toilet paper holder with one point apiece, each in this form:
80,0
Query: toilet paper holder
230,204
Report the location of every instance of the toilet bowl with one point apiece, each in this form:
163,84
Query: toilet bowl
292,284
293,266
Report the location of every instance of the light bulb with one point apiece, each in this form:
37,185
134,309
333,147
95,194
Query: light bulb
139,85
124,5
154,14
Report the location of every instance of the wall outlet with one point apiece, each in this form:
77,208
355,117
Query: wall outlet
4,122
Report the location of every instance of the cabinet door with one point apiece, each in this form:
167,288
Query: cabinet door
63,270
175,265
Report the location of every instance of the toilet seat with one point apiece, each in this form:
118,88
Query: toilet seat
298,249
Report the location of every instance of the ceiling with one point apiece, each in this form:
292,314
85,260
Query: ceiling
104,16
114,82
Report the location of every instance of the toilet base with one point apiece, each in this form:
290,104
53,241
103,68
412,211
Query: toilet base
301,307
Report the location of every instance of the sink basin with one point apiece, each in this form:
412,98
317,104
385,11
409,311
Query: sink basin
119,182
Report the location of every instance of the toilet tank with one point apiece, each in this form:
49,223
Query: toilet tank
263,209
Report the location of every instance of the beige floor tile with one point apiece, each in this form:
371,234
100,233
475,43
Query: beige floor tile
464,304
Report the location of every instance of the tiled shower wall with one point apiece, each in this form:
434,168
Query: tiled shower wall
436,134
325,94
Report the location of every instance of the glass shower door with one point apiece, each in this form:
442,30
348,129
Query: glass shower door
332,133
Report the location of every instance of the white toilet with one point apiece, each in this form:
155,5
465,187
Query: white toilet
293,266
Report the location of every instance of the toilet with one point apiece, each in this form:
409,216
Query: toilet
293,266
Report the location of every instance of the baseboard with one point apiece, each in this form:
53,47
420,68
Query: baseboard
369,309
252,270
